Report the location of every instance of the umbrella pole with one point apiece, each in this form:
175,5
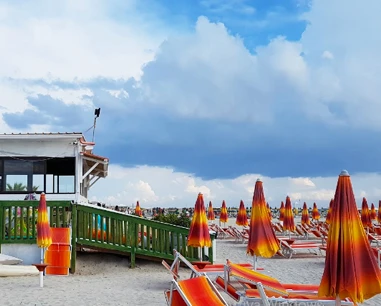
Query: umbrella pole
338,301
255,259
42,255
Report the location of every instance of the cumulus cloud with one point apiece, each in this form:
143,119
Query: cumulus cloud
155,186
302,181
200,101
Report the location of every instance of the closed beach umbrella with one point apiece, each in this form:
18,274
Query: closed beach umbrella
262,239
241,216
315,213
288,221
365,214
379,212
224,213
373,213
210,211
329,213
281,211
269,211
138,210
44,237
199,232
305,215
351,270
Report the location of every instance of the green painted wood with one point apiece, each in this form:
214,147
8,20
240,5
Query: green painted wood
115,232
2,226
19,218
74,233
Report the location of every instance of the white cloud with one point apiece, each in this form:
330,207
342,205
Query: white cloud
208,74
155,186
302,181
71,40
327,55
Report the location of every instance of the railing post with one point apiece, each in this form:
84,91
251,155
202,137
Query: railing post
74,226
134,242
2,225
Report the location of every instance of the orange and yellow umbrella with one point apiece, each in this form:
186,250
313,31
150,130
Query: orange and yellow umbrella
241,216
138,210
351,270
44,237
262,239
199,232
210,211
379,212
224,213
281,211
288,221
315,213
305,215
329,213
373,213
365,214
269,211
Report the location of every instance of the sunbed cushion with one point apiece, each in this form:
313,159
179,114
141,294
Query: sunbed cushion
199,293
268,282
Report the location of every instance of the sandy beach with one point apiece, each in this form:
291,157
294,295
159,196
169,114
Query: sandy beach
105,279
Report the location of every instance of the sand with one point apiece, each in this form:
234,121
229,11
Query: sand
104,279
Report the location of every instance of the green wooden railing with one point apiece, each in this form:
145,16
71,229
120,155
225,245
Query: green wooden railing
97,228
105,229
18,219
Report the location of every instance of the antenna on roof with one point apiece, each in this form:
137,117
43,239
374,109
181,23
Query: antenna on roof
97,113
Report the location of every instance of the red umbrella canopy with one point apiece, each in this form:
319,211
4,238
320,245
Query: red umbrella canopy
241,216
315,212
305,215
379,212
262,239
281,211
138,210
44,237
350,269
210,211
199,232
373,213
365,214
288,221
328,217
224,213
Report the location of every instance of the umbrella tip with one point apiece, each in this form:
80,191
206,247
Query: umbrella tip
344,173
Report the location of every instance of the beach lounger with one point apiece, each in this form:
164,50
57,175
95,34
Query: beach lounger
197,291
374,238
377,253
289,250
208,269
239,236
268,290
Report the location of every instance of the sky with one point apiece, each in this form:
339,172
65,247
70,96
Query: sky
204,95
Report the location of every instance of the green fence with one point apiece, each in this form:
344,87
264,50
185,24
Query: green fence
105,229
98,228
18,219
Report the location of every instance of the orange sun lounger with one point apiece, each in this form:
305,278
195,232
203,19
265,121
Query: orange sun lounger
208,269
196,291
260,287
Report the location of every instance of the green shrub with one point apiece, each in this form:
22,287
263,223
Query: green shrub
180,220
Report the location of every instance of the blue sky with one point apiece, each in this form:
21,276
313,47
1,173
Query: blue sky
214,90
